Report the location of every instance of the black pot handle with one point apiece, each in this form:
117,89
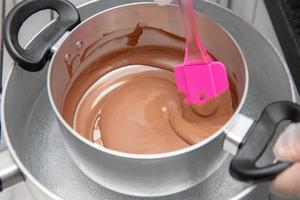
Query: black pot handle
243,166
34,57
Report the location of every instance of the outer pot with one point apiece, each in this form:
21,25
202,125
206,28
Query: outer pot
152,175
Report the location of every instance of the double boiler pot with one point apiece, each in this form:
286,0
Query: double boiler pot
67,38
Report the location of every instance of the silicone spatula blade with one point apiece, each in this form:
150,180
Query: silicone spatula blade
199,78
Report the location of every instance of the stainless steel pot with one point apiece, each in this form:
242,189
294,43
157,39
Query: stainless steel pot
139,175
158,175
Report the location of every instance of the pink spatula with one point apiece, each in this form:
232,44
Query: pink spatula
199,78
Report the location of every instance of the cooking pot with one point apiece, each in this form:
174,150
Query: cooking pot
168,173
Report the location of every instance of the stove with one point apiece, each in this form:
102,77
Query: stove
285,16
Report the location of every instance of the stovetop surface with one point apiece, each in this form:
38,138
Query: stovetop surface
285,16
292,10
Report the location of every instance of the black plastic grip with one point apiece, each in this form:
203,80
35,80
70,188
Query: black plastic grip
34,57
243,166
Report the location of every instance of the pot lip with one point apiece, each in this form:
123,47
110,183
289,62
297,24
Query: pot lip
147,156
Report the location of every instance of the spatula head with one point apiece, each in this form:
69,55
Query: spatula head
201,82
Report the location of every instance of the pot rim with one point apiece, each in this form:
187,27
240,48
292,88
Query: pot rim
147,156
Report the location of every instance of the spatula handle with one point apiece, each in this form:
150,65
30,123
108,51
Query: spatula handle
195,50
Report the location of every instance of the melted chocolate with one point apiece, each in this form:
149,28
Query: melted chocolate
118,102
